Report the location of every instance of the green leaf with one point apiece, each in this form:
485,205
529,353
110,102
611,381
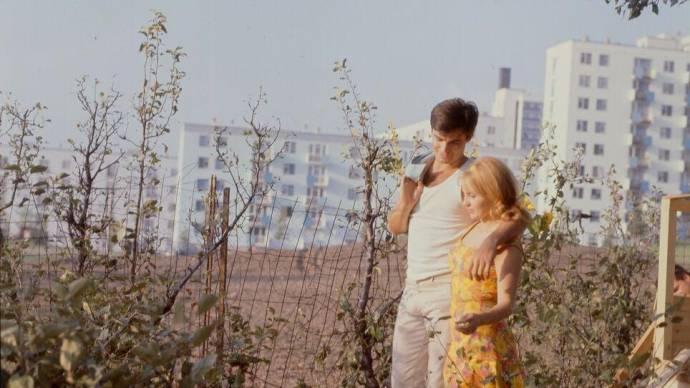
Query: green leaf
202,334
12,167
205,303
38,169
69,353
202,367
76,287
21,382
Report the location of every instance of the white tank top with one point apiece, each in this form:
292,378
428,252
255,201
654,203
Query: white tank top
435,224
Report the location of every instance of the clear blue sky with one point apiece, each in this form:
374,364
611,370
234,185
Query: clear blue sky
405,55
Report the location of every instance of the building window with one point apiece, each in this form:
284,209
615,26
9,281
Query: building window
666,110
662,177
202,162
218,164
602,83
667,88
596,194
669,66
584,80
578,192
583,103
582,125
112,171
289,169
594,216
586,58
603,60
317,170
290,147
582,146
599,127
202,184
258,232
597,172
315,191
199,205
316,151
204,141
287,190
352,194
665,132
601,104
664,154
491,130
581,170
171,208
598,149
66,164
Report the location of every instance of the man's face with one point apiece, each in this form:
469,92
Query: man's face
448,147
682,287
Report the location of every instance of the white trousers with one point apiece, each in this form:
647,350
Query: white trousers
420,338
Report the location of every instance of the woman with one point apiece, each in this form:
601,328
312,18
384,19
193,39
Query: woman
483,351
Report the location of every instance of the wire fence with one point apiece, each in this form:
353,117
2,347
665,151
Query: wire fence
292,278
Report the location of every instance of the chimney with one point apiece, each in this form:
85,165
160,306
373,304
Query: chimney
504,78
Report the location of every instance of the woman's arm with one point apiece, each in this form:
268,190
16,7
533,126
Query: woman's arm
508,266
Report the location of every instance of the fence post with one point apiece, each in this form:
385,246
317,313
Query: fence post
222,273
210,237
670,205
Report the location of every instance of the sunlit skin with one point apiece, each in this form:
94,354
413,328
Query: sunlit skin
477,206
508,264
449,149
681,287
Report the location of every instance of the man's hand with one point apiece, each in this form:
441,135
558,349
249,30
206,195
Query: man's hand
410,192
468,323
483,259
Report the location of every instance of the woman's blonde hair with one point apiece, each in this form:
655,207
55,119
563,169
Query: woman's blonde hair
492,179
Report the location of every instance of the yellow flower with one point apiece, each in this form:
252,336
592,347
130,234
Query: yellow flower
527,204
546,220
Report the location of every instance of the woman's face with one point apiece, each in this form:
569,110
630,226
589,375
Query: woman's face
477,206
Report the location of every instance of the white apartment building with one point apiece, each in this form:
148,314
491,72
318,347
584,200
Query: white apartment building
113,192
514,121
625,106
314,187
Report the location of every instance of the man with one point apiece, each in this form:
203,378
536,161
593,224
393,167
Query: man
430,212
681,282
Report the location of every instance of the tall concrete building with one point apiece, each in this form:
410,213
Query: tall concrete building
622,105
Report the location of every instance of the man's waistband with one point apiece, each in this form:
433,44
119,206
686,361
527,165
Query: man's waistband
441,277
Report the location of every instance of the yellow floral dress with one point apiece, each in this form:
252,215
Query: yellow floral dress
488,357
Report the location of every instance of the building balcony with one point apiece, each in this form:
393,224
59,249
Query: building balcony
641,116
685,188
314,158
642,140
644,72
643,96
317,180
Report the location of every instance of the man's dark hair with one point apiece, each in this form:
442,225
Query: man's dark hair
680,272
455,114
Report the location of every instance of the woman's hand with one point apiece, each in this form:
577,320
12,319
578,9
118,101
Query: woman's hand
468,323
